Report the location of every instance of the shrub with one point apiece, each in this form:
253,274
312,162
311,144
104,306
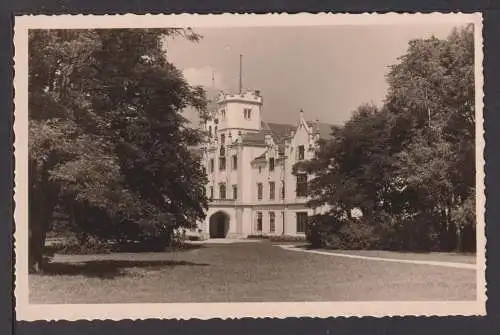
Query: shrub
353,235
194,238
416,233
321,229
90,247
257,237
287,238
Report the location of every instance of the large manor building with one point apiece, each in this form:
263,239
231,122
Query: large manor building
249,162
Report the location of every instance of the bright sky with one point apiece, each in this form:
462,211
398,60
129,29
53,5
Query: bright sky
326,71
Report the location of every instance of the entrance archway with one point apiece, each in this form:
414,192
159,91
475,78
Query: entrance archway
219,225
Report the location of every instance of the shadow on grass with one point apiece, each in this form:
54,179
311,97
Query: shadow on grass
131,247
107,269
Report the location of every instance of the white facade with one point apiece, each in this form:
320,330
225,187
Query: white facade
249,165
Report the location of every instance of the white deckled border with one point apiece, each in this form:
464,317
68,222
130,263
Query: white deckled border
30,312
280,310
237,20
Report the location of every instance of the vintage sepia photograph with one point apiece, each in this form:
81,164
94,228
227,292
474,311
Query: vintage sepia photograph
249,166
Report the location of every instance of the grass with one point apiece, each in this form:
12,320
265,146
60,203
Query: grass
417,256
246,272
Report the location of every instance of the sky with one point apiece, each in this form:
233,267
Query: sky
326,71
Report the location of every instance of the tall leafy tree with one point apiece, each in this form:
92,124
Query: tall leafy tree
107,133
409,164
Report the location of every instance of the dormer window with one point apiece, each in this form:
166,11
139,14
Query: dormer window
301,152
271,164
247,113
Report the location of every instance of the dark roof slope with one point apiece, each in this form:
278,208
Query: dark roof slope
281,132
324,129
278,131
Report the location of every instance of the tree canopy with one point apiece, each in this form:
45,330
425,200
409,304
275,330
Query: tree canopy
409,165
108,144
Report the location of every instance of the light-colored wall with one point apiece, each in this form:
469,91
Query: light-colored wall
243,212
249,175
234,105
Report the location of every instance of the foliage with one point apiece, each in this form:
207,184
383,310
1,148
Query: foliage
408,165
108,143
257,237
286,238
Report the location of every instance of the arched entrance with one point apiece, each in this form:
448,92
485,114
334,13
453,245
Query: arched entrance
219,225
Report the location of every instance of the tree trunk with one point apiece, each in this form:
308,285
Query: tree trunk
459,245
41,206
38,225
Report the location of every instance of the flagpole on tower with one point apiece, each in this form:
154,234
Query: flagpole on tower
241,61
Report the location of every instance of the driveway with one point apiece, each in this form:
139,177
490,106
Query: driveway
243,272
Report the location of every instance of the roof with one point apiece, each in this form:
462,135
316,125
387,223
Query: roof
262,157
279,132
324,129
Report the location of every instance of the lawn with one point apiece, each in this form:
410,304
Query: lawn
415,256
247,272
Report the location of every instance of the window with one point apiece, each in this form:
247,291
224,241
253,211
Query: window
301,222
222,163
235,192
301,185
271,164
209,131
235,162
222,151
215,131
212,164
272,190
222,191
301,152
283,221
223,113
247,113
260,169
259,221
272,222
222,139
259,191
282,190
211,192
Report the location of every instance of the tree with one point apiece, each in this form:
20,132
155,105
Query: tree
107,133
433,89
409,165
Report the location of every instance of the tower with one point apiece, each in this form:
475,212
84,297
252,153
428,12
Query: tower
239,111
